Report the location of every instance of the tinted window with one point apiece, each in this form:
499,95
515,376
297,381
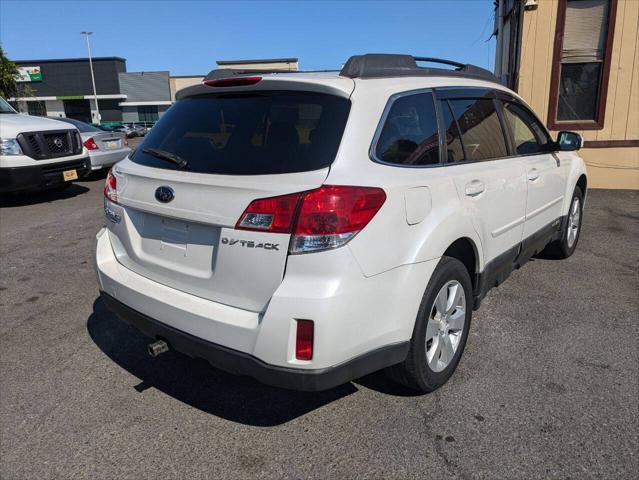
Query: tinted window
250,134
409,135
528,136
454,148
480,128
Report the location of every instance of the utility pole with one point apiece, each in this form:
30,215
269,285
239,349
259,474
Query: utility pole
95,94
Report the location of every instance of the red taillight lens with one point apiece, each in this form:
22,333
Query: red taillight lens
110,188
90,144
326,217
232,82
331,210
275,214
304,340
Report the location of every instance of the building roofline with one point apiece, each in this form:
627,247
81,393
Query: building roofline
59,60
188,76
142,72
258,60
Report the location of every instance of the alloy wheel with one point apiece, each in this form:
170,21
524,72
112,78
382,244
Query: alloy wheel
445,325
574,218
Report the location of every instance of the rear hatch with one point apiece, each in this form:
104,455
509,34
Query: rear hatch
239,147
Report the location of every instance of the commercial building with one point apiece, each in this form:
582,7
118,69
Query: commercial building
576,62
148,96
64,88
179,82
284,64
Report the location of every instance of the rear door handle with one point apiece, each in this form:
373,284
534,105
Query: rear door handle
474,188
533,175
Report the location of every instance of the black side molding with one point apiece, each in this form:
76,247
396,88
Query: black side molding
241,363
499,269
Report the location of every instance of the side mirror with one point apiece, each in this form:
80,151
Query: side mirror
569,141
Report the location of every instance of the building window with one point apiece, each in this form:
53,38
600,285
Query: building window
37,109
148,113
581,63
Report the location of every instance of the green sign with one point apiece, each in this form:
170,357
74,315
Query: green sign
29,74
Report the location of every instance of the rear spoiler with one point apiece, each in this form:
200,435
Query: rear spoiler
264,80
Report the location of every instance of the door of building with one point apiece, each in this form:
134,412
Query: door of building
78,109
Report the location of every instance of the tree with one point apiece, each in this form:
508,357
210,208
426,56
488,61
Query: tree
8,74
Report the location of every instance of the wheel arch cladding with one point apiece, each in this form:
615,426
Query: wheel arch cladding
582,183
465,250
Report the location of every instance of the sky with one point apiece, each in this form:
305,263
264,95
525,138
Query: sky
187,37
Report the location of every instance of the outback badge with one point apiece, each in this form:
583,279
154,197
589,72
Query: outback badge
164,194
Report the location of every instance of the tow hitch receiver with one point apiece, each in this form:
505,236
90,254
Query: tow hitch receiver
157,348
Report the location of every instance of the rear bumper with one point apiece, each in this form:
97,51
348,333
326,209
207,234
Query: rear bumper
36,177
361,324
102,159
240,363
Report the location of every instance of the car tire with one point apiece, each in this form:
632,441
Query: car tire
439,337
567,243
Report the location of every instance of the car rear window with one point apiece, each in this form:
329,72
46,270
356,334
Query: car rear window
250,134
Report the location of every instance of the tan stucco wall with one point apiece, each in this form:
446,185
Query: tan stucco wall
607,167
178,83
266,66
612,167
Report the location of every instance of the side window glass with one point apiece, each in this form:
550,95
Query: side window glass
410,136
452,137
480,128
529,137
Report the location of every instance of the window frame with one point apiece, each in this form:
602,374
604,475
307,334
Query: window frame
555,79
372,151
463,93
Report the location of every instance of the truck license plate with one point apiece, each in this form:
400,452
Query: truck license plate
70,175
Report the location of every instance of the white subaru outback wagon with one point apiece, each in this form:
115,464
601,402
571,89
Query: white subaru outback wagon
308,228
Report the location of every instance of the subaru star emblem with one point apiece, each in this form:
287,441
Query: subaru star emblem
57,142
164,194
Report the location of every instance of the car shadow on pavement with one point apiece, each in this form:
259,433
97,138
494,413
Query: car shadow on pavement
198,384
45,196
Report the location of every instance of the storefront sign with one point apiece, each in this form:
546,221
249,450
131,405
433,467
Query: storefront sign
29,74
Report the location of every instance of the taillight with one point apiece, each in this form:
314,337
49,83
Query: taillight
90,144
327,217
110,188
232,82
275,214
304,340
126,141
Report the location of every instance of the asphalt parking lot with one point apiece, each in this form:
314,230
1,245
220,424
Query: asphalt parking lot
548,386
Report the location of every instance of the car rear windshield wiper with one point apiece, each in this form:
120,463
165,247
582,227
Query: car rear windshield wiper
169,157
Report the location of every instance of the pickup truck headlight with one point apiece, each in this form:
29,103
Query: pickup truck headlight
10,146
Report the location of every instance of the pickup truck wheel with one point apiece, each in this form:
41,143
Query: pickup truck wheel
567,244
441,329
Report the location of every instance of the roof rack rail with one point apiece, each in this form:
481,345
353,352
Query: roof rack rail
379,65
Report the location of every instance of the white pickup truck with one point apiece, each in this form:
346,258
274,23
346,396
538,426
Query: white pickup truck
38,153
